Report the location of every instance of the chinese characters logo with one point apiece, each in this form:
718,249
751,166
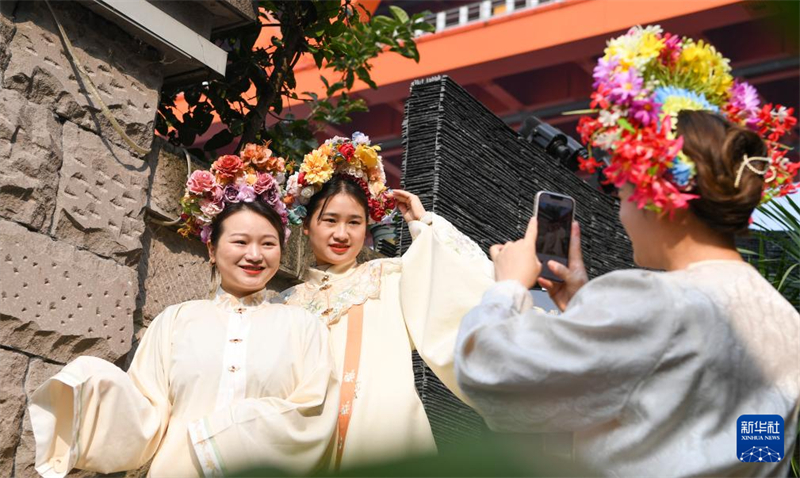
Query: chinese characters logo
759,438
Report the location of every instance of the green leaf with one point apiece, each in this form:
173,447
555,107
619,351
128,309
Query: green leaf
223,138
625,125
399,13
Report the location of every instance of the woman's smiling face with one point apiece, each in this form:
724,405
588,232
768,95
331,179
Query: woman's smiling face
247,253
337,230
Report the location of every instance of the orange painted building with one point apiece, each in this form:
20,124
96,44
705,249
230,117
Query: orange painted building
523,57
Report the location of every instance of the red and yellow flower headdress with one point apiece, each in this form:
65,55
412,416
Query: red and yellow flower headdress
352,157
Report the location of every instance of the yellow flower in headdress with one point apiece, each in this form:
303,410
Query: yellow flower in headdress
709,70
637,48
317,167
368,155
326,150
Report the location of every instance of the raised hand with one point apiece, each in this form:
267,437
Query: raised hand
517,260
409,205
574,276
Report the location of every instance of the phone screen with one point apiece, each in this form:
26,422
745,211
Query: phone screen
554,214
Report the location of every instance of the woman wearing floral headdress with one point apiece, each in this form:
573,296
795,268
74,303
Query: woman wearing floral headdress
215,385
381,310
652,370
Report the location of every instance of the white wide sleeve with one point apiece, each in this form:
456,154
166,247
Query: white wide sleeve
528,371
291,433
93,416
444,274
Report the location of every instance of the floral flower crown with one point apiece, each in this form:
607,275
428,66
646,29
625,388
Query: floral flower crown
353,158
641,83
253,175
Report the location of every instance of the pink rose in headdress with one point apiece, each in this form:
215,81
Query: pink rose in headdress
265,181
211,208
218,193
246,193
200,182
228,167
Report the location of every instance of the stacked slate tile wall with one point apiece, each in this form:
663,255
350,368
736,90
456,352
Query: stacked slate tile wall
468,166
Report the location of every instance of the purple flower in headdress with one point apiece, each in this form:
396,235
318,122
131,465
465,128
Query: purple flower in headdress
280,208
625,86
230,194
246,193
205,233
745,98
603,71
645,111
271,195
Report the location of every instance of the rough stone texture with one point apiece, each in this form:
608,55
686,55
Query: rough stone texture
7,30
173,269
12,406
30,157
101,197
59,302
170,172
124,70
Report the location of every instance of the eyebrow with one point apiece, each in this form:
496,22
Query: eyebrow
334,214
248,235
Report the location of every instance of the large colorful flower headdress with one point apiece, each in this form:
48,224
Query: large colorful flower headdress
354,158
253,175
641,83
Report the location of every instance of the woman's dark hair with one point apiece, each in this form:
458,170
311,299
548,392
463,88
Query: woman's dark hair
718,148
339,184
258,207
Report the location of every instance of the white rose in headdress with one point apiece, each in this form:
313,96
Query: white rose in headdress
360,138
305,194
335,139
291,185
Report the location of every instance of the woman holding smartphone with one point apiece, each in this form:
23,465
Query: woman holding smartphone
379,311
651,370
216,385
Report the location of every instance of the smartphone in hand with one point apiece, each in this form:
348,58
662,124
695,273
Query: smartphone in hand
554,214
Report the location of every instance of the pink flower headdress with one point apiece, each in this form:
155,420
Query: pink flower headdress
253,175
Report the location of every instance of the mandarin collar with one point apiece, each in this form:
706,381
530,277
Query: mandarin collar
232,303
318,275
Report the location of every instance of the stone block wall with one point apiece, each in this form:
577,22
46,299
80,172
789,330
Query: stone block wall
72,202
85,265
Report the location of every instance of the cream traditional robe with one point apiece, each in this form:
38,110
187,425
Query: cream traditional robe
650,370
414,302
215,385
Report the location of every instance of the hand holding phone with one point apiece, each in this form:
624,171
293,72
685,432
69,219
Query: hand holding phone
574,277
554,214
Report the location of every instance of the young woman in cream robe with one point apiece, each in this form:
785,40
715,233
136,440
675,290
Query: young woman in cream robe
650,370
415,302
215,385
